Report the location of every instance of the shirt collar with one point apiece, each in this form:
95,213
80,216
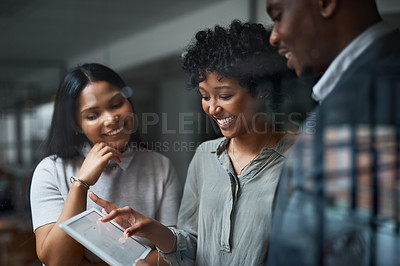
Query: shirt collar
221,151
126,158
223,157
222,146
342,62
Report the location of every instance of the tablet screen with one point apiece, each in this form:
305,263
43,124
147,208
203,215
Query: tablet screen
104,239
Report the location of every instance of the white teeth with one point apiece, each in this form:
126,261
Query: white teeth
115,132
225,120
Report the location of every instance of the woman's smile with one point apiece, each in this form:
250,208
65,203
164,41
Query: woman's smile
115,133
225,123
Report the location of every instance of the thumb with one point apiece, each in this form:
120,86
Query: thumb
104,211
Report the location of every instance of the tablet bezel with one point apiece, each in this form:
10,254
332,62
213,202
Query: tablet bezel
65,226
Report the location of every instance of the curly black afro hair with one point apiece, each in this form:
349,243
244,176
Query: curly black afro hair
241,51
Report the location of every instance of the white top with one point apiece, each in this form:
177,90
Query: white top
342,62
144,180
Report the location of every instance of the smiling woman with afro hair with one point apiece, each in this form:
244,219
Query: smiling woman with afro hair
225,212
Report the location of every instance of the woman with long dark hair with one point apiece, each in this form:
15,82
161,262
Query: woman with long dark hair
94,144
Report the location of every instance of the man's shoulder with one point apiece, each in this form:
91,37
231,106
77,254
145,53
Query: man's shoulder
377,74
384,53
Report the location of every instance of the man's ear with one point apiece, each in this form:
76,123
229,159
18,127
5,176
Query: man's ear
328,7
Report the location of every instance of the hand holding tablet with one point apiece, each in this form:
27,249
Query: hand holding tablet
106,240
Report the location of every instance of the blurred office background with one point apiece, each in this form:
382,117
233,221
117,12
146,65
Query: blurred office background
142,40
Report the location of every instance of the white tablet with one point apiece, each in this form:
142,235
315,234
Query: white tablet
104,239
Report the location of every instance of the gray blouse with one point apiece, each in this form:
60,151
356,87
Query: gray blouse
225,219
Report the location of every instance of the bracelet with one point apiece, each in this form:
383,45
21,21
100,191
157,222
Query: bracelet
74,178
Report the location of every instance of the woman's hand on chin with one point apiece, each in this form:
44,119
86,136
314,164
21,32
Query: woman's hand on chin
96,160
